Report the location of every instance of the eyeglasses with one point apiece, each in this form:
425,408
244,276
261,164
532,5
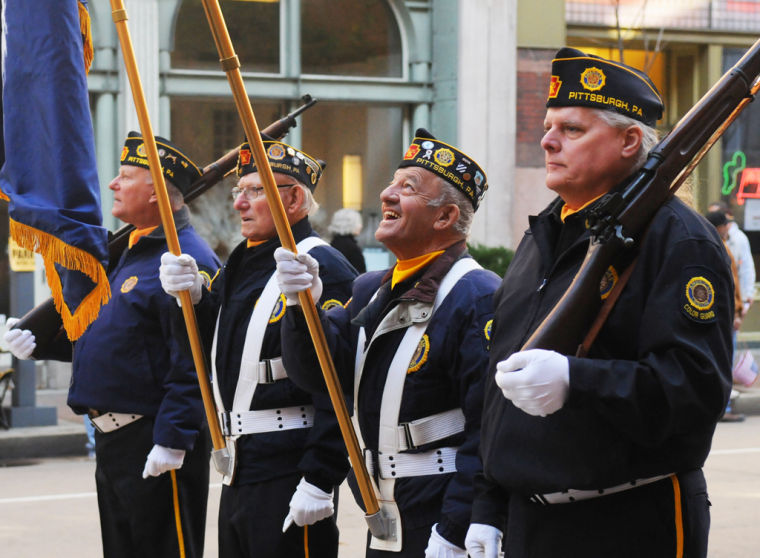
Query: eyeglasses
251,194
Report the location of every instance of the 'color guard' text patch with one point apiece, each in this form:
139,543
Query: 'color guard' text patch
698,295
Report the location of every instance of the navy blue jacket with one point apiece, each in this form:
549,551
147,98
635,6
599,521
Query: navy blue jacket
130,360
318,452
448,376
646,400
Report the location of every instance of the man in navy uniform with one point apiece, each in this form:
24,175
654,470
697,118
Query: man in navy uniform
287,451
412,347
137,385
601,455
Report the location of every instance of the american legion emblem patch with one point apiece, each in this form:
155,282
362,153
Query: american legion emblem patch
420,355
698,295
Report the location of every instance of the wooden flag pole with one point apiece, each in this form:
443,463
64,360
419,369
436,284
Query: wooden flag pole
119,14
231,66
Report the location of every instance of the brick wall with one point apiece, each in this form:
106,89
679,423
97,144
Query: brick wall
533,73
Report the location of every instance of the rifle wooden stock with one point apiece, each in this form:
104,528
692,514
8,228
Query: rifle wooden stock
45,321
622,217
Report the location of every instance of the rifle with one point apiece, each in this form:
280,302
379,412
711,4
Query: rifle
621,218
44,319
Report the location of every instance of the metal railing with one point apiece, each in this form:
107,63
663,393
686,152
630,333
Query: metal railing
712,15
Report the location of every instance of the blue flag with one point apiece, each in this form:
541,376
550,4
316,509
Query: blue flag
49,176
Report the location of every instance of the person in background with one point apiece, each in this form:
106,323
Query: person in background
739,245
602,454
287,453
417,391
346,224
138,387
719,219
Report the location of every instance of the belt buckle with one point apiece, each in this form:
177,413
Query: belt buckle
372,464
225,423
93,414
410,445
538,499
265,376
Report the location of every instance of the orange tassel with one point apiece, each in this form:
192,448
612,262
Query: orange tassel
86,30
55,251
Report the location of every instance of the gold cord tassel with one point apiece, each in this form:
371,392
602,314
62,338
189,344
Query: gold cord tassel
86,30
55,251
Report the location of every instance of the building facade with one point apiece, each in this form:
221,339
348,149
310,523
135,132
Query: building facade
379,69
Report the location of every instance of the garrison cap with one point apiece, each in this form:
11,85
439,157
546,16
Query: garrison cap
285,159
454,166
580,79
177,167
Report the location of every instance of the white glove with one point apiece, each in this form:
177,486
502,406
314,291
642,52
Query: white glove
180,273
296,273
161,459
483,541
21,342
438,547
308,505
536,381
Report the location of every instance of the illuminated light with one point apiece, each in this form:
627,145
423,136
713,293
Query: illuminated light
352,182
731,170
749,188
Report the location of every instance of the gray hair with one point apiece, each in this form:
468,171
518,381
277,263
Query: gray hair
346,221
176,198
310,205
649,135
451,194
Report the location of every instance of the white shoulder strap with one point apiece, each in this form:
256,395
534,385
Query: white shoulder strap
249,362
394,382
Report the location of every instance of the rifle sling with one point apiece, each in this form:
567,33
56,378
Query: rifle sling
604,312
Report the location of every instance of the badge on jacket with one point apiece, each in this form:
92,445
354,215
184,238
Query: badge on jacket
698,298
420,355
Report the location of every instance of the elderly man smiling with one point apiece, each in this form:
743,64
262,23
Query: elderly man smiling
412,346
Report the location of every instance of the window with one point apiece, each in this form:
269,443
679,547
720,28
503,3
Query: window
254,29
349,38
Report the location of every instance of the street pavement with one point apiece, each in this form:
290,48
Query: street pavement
48,505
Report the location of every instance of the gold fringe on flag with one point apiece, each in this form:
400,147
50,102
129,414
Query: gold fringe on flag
55,251
86,30
4,197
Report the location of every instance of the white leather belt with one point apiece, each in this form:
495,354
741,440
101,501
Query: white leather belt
271,370
411,435
572,495
108,422
267,420
400,465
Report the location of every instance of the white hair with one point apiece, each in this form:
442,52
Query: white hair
309,205
346,221
451,194
649,136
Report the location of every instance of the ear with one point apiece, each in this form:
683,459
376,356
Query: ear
448,215
292,201
632,137
153,197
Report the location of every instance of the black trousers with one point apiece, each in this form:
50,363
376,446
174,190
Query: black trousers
665,519
251,518
158,516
